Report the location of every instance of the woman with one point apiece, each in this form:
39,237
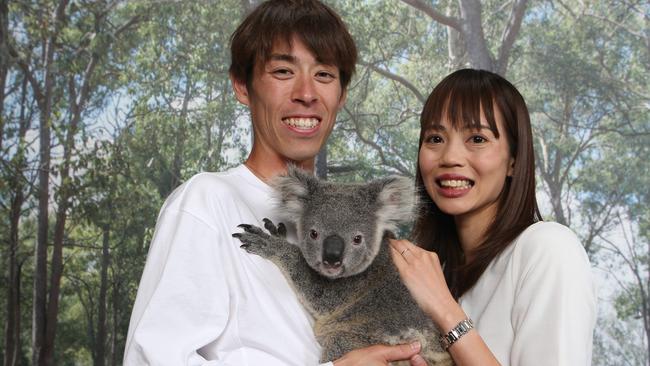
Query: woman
485,253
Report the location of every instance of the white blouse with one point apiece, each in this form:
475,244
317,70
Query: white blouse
535,304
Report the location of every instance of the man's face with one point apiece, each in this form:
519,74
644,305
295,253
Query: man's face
293,99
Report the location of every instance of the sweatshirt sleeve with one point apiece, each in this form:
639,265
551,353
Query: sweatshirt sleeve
554,312
183,298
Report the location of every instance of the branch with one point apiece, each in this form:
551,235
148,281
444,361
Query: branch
126,26
396,78
510,34
38,92
434,14
622,26
374,145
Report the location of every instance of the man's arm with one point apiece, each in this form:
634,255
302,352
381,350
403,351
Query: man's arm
183,298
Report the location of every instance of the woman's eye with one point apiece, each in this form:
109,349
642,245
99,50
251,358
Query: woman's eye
478,139
313,234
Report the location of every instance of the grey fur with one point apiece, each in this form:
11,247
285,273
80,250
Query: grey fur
361,301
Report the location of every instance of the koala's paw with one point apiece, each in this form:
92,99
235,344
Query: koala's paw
279,230
257,241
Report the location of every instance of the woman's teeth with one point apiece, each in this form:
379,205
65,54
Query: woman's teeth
459,184
301,123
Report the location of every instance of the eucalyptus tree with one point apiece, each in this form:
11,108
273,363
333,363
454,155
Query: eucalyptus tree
40,73
590,109
64,81
405,48
185,114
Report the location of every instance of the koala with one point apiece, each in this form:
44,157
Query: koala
341,268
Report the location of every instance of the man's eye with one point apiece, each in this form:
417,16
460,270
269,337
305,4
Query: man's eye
325,75
282,72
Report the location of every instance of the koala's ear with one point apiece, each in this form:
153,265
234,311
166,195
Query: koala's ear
397,201
292,191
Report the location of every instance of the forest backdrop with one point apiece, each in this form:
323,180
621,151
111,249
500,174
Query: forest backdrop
107,106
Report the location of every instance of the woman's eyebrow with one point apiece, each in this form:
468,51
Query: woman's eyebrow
436,128
479,127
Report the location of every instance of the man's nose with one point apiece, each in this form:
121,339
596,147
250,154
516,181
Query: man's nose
304,90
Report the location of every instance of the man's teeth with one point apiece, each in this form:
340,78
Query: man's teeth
302,123
456,183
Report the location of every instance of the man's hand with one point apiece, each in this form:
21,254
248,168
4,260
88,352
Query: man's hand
382,355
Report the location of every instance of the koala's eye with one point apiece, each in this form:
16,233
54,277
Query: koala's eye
357,239
313,234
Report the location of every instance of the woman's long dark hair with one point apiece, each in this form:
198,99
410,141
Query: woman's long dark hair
460,97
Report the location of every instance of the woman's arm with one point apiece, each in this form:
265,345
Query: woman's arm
422,274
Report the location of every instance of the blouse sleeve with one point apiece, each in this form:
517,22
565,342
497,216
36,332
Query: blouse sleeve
554,312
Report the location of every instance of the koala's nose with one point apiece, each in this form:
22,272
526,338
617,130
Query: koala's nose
333,251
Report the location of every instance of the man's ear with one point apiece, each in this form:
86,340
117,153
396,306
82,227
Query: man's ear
241,90
344,96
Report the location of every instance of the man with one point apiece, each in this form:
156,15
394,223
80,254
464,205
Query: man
202,300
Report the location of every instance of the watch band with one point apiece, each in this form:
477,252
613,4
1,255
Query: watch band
456,333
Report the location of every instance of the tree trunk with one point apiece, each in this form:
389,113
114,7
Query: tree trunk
476,47
646,304
44,99
179,148
40,262
12,328
4,63
65,190
465,37
12,325
455,47
100,346
116,318
555,191
249,5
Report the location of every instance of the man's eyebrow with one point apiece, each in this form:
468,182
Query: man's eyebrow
282,57
292,59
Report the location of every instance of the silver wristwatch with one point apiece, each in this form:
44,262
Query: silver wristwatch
456,332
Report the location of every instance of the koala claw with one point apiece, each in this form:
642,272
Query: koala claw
255,240
251,229
280,230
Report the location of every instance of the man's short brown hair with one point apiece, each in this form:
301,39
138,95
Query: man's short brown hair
317,25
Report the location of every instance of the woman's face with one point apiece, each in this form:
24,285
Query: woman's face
464,171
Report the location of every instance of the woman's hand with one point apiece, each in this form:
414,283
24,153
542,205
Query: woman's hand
381,355
422,274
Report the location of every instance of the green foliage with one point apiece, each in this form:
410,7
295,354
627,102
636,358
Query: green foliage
160,109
